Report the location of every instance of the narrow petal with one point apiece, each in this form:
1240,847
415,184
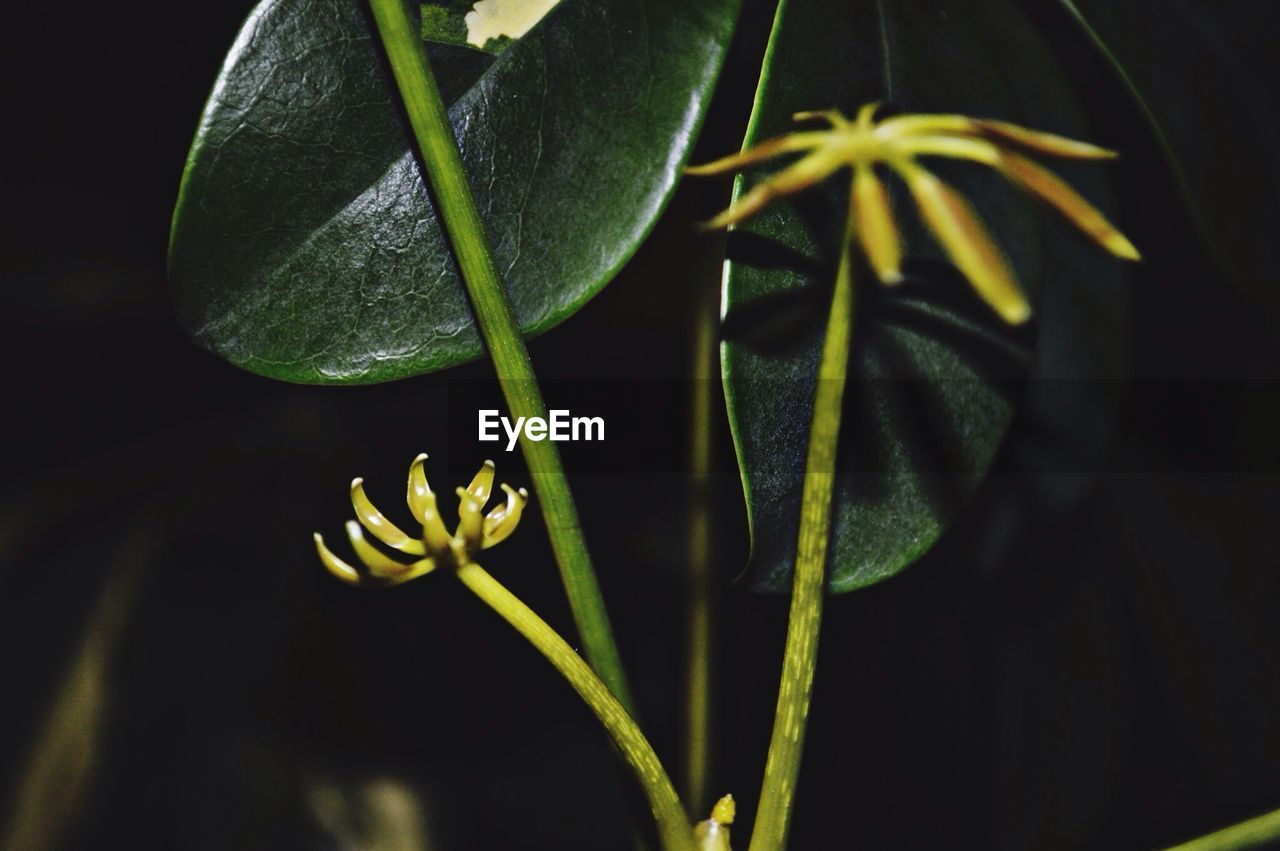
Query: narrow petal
1044,143
954,147
418,487
762,152
810,170
901,126
875,226
866,114
335,565
1055,192
482,484
379,563
434,534
469,518
421,567
502,521
834,117
380,527
966,242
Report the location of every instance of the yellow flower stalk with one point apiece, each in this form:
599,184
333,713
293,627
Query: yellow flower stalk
897,143
456,552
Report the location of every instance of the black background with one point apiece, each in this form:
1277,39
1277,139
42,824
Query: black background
1114,682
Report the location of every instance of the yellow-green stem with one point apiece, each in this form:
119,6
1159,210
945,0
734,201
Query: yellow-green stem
808,586
1254,833
674,826
456,205
698,681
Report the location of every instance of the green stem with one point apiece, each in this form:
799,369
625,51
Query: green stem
1253,833
439,149
808,586
698,680
674,827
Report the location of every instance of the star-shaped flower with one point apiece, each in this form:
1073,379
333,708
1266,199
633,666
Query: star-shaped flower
474,532
897,143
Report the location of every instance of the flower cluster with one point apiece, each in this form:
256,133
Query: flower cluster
475,531
897,143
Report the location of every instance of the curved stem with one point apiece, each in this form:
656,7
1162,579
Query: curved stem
808,586
457,208
674,827
1254,833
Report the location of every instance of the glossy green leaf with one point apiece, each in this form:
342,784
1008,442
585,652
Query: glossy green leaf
304,244
1202,72
936,377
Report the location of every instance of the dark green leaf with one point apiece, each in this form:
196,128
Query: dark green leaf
1203,73
935,377
304,244
444,23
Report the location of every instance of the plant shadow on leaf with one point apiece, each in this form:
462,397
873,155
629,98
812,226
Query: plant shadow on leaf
935,377
933,302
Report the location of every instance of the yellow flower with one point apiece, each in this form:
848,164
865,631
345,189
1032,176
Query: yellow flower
897,143
438,547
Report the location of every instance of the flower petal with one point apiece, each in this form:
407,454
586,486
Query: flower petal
502,521
810,170
833,117
335,565
966,242
434,534
903,126
1043,143
875,225
379,563
418,487
469,519
380,527
482,484
1055,192
766,150
955,147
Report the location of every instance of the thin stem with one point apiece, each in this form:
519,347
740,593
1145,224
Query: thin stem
1254,833
698,681
439,149
801,656
674,827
